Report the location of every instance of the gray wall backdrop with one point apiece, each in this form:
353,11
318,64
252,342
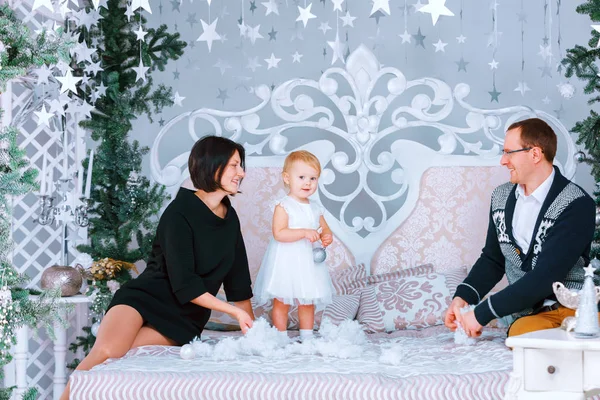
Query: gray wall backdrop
527,39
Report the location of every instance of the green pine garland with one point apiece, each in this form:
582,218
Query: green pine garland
581,62
124,204
19,52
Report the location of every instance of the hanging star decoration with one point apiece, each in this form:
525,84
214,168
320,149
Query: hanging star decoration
144,4
209,34
68,82
178,99
419,39
405,37
337,5
43,116
271,7
348,20
338,49
383,5
440,46
305,14
140,71
462,64
140,33
436,8
272,62
495,95
253,33
296,57
522,88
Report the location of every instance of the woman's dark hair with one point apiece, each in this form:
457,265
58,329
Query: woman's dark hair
208,159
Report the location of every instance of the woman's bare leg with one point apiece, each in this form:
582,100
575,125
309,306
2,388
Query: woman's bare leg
150,336
114,338
306,316
280,315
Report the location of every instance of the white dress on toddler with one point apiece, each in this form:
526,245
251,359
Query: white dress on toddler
288,272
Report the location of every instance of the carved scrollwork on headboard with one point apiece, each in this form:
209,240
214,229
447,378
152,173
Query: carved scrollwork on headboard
378,133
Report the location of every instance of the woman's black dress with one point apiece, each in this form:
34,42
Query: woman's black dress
194,252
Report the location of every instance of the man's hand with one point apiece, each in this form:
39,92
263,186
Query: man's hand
453,313
470,325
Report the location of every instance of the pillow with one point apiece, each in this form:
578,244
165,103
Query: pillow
455,277
373,279
410,302
342,279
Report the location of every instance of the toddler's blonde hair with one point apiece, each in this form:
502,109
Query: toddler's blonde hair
303,156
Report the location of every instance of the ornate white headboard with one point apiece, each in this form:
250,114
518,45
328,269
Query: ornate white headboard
375,133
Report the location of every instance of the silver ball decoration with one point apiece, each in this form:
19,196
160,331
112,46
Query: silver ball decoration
95,327
597,218
187,352
579,156
319,254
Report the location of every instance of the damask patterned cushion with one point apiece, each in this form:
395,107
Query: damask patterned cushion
407,301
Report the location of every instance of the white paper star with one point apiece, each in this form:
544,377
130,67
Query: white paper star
589,270
222,65
545,51
338,49
209,33
42,3
272,62
436,8
101,89
140,71
297,56
271,6
461,38
324,27
140,33
348,20
253,63
439,46
145,4
56,107
43,116
68,82
418,5
546,100
522,88
305,14
253,33
493,64
405,37
93,68
43,73
383,5
129,12
337,5
597,28
177,99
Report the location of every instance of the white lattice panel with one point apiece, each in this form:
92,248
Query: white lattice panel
38,247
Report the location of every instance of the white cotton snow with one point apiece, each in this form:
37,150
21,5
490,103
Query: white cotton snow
460,336
339,341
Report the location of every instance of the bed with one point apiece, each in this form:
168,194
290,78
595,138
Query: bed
404,185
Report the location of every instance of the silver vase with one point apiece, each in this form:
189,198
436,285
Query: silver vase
67,278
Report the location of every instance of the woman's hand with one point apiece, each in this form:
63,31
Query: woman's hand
312,235
244,320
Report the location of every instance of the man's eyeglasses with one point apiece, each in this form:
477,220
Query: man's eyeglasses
509,152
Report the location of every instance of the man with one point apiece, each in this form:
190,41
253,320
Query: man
540,232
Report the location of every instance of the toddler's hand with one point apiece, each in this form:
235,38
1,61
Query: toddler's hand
326,239
311,234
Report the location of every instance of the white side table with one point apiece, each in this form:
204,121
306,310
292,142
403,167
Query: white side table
553,365
21,354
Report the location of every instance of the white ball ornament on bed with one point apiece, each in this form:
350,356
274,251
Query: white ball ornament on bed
319,254
95,327
187,352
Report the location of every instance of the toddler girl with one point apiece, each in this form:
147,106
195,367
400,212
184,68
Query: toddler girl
288,273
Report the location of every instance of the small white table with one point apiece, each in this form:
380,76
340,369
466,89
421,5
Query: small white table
21,354
553,365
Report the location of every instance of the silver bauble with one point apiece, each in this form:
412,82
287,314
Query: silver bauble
319,254
187,352
95,327
597,218
579,156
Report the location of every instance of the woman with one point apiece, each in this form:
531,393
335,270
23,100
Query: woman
198,247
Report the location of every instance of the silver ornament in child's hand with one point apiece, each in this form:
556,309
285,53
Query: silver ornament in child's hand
319,254
95,327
